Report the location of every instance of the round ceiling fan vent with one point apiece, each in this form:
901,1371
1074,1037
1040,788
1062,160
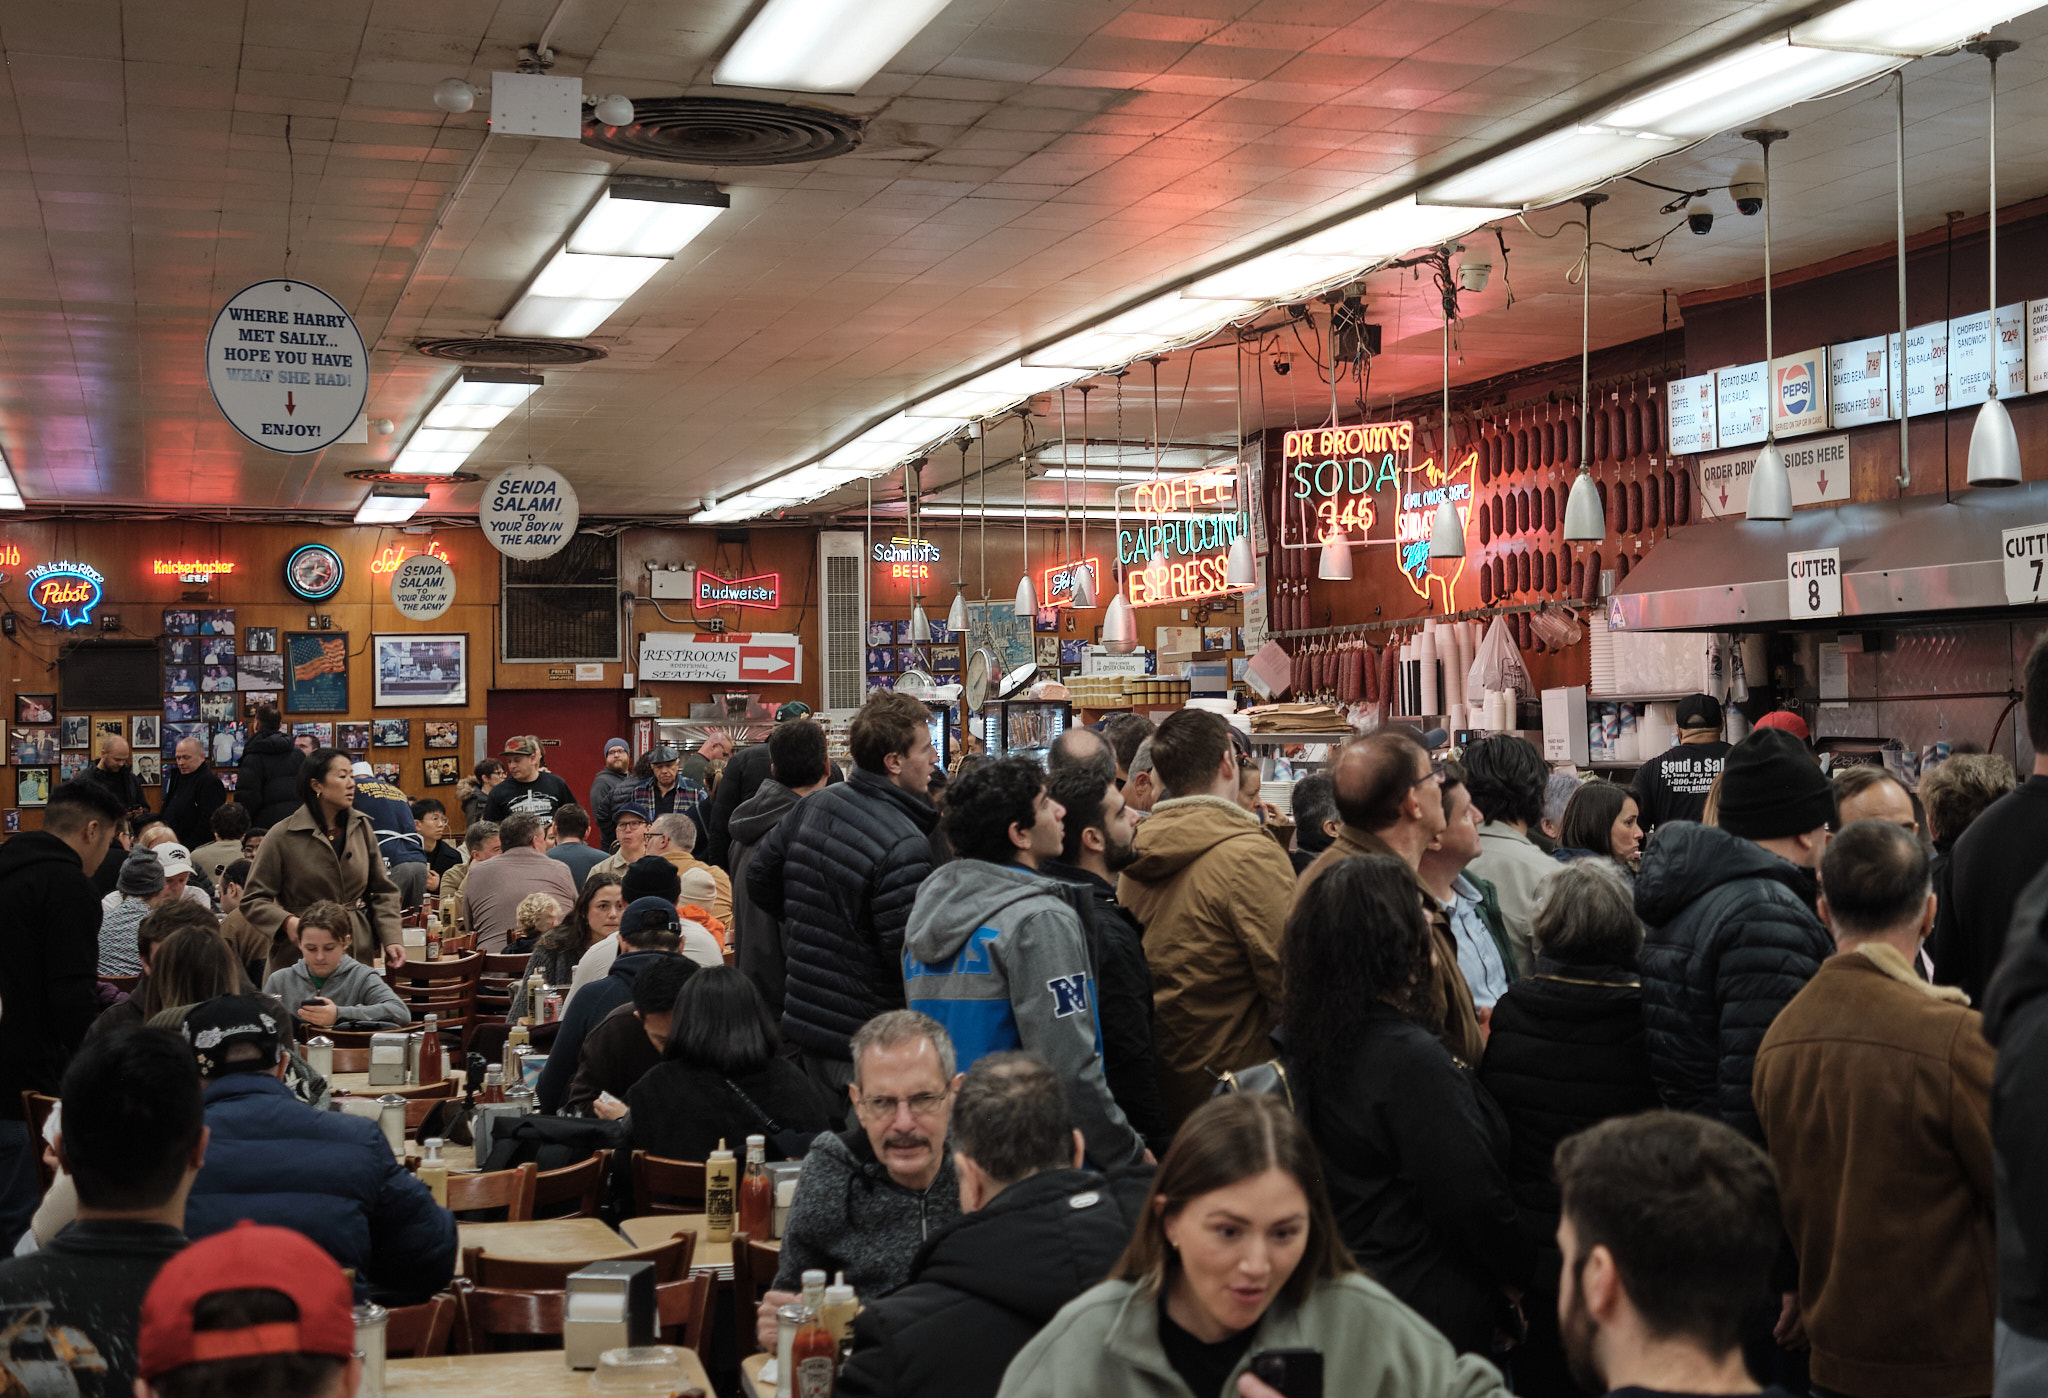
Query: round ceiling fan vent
376,477
487,349
726,131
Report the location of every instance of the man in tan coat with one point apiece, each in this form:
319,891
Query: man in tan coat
1211,886
1874,1090
1391,800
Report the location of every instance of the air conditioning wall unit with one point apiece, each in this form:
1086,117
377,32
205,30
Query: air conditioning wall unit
843,618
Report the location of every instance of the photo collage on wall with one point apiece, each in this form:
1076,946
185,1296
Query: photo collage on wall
891,652
201,664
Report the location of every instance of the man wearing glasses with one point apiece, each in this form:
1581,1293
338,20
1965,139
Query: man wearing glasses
869,1198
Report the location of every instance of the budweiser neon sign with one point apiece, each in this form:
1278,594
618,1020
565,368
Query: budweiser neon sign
763,590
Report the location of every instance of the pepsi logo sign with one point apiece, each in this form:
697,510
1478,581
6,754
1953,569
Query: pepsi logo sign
1795,390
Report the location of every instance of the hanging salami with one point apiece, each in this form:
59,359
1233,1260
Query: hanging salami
1578,576
1571,434
1681,497
1635,507
1653,500
1485,524
1549,572
1522,561
1550,509
1635,427
1606,517
1592,578
1621,569
1653,425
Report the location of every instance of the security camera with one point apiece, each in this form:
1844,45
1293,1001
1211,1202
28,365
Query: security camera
1474,271
1749,198
1283,364
612,110
383,426
454,95
1698,217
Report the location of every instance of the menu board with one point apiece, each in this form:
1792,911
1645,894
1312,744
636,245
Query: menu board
1859,375
1799,393
1926,368
1690,426
2037,346
1970,351
1741,402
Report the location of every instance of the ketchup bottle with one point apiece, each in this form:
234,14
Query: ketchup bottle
757,1193
430,1051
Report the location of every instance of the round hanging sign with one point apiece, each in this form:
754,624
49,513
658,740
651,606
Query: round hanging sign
528,512
423,587
313,571
287,367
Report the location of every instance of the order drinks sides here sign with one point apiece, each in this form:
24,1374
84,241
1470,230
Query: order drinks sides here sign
761,657
286,366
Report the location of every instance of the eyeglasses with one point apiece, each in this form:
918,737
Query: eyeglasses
882,1108
1435,772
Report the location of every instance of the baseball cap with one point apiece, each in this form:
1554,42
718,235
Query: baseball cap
638,813
214,1027
664,753
1787,720
619,743
175,858
644,913
520,744
794,709
247,1257
360,768
1699,711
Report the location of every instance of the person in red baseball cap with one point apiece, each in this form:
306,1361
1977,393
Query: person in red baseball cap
254,1312
1792,723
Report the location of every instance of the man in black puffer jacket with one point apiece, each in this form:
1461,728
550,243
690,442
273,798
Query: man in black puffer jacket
2016,1023
1035,1231
268,779
796,751
841,872
1733,935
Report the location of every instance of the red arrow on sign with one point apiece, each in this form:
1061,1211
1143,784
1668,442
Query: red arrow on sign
289,406
1823,482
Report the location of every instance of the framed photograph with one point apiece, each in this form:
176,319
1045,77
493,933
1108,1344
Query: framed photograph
71,765
1048,651
316,672
181,621
353,737
217,679
227,779
181,679
392,732
421,670
217,708
176,733
322,734
32,787
75,731
146,728
181,650
443,771
255,699
180,708
109,728
35,747
387,770
217,650
228,741
259,671
881,633
260,640
946,662
443,733
149,768
217,621
13,822
881,659
35,708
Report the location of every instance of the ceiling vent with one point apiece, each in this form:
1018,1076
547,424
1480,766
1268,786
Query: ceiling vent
523,354
726,131
377,477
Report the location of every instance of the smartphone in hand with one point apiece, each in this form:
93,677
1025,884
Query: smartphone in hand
1294,1373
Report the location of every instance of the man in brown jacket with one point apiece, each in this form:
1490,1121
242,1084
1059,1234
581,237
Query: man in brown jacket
1210,885
1390,797
1874,1090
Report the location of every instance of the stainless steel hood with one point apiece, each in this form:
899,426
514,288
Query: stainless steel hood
1917,556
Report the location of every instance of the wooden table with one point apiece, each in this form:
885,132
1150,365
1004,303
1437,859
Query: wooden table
750,1371
545,1240
358,1085
531,1374
649,1230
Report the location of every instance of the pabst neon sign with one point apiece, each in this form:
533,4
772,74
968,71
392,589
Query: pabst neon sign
65,593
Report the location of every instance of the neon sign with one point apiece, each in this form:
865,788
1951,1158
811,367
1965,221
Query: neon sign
191,569
1056,584
65,593
388,559
1186,542
908,559
1429,487
10,555
762,590
1332,475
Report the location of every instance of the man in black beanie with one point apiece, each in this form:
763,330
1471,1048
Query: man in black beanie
1732,931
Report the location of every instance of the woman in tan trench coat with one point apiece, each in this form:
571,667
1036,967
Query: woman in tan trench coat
324,849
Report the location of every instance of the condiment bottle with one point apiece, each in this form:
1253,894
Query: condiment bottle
513,1041
757,1193
433,1171
433,942
840,1307
536,988
430,1051
720,1180
494,1085
814,1352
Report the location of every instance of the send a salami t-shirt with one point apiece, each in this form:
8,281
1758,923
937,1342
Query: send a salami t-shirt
1674,785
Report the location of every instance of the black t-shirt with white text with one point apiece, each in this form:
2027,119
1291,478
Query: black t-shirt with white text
538,797
1674,784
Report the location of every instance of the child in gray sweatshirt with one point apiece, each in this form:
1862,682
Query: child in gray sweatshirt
328,988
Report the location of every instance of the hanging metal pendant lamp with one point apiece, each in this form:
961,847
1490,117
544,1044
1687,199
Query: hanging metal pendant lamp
1240,568
956,616
1083,590
1447,534
1584,521
913,486
1027,595
1770,484
1994,446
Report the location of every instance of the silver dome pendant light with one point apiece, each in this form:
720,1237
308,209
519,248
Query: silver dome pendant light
920,622
1584,521
1994,446
1240,570
1770,484
1447,534
956,617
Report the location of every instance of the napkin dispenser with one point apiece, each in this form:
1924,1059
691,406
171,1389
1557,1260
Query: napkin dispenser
610,1305
387,1060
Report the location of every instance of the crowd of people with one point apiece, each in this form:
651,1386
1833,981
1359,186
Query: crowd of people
1487,1079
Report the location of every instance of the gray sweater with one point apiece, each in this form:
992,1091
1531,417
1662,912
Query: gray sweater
850,1215
362,999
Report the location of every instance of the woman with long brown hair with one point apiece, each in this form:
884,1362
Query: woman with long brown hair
599,905
326,849
1238,1252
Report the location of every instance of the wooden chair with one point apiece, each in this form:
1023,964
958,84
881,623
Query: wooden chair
35,1110
682,1309
754,1265
671,1263
680,1181
493,1313
510,964
422,1331
448,968
584,1183
351,1059
510,1190
423,1102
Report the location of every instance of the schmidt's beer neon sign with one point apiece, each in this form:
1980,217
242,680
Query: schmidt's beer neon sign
65,593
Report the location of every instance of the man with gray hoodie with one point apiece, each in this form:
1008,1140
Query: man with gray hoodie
998,953
798,766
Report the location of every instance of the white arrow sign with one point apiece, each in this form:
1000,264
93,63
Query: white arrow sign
765,664
762,658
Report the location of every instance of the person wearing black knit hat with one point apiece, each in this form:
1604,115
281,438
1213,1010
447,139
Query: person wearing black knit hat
1733,933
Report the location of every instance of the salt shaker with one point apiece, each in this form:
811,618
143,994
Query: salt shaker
391,1116
320,1055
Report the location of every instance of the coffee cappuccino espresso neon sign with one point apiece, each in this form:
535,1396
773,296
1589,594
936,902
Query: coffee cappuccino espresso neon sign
1183,532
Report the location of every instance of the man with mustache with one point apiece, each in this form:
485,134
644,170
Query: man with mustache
869,1198
1668,1231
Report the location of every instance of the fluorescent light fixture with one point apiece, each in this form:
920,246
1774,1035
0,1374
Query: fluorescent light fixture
414,462
1741,87
991,392
1395,228
822,45
379,508
1549,169
589,276
476,401
1157,324
648,218
1906,28
1122,475
1274,276
1050,513
440,440
10,492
